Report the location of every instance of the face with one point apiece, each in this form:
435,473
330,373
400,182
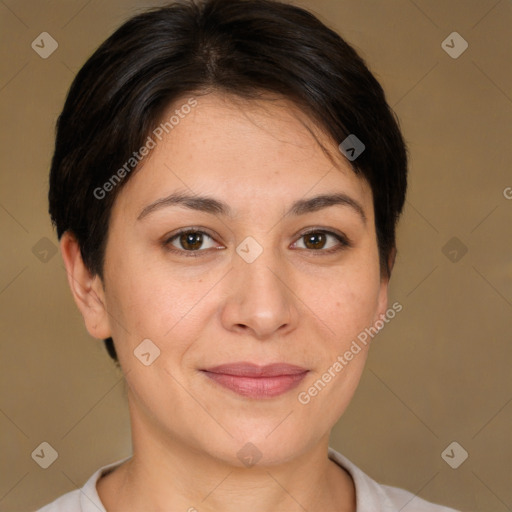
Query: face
261,282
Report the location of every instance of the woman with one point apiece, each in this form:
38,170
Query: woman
226,183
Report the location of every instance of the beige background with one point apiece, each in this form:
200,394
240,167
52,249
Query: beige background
439,372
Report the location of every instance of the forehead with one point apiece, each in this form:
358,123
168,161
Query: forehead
243,151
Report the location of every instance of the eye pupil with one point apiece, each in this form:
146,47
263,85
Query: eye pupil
191,241
317,240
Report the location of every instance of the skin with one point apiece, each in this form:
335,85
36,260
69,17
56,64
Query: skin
293,304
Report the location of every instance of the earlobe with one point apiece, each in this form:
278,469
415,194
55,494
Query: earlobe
87,290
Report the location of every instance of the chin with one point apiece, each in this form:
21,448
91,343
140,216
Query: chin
256,447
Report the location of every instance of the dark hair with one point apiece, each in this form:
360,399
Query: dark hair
241,47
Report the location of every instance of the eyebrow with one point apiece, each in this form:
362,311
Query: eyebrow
216,207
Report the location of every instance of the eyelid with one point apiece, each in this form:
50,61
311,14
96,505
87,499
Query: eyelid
343,240
328,231
168,239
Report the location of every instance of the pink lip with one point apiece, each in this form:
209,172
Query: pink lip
255,381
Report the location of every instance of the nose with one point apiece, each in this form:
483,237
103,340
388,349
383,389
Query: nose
261,300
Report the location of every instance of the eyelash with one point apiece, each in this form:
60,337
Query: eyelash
343,240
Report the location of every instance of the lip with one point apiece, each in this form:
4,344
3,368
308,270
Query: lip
254,381
245,369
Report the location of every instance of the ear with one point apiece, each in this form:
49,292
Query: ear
391,260
382,305
87,290
382,300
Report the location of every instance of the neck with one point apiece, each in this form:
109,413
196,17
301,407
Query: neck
166,474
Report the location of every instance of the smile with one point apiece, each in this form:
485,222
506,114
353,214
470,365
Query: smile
258,382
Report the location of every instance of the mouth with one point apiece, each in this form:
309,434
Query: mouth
254,381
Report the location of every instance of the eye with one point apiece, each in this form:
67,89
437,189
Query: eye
188,242
317,241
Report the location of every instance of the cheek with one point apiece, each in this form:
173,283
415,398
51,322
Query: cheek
357,306
348,302
348,309
148,298
160,303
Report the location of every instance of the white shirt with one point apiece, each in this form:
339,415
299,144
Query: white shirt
370,496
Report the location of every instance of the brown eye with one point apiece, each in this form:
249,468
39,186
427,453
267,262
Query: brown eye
323,241
315,240
191,241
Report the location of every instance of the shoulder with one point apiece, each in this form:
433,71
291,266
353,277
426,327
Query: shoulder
374,497
85,499
406,501
69,502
